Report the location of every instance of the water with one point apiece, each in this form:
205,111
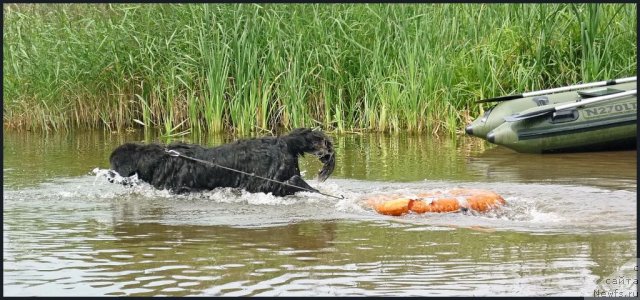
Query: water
569,224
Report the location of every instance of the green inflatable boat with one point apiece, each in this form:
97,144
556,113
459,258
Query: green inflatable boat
596,116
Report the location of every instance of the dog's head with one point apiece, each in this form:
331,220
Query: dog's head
306,140
131,158
124,159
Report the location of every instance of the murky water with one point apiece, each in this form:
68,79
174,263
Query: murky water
570,222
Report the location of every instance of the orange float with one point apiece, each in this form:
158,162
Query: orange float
436,202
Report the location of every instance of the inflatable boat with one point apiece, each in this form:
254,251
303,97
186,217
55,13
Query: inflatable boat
436,202
587,119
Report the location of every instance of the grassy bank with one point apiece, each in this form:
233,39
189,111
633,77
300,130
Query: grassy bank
248,67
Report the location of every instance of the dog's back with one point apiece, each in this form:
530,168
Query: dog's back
260,156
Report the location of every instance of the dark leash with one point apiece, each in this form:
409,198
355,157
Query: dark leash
175,153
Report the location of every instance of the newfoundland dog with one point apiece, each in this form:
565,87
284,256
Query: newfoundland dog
199,168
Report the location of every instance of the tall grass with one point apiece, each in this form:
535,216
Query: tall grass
263,67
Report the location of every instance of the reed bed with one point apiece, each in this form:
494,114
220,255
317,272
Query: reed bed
246,68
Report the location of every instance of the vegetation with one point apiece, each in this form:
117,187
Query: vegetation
252,67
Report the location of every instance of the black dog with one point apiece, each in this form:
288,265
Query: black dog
275,158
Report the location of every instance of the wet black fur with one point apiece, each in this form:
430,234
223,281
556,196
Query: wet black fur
271,157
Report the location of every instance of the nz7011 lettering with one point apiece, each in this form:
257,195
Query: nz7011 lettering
609,109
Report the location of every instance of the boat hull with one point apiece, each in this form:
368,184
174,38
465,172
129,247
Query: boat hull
494,116
606,126
600,126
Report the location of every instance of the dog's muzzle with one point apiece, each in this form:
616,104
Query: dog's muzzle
328,159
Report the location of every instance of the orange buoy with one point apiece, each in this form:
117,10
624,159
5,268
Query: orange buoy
436,202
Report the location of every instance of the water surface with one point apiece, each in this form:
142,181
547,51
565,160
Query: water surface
570,222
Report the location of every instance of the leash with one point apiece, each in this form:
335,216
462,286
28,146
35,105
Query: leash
175,153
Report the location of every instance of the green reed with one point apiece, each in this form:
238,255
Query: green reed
249,68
